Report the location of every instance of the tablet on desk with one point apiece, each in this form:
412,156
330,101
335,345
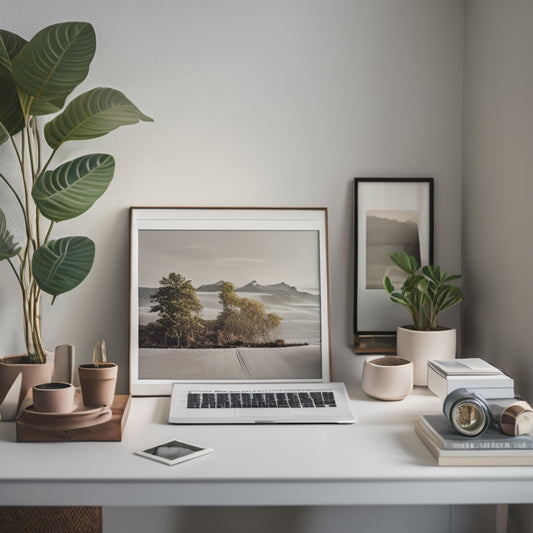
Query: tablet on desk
174,452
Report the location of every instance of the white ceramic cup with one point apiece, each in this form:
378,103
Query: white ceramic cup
388,378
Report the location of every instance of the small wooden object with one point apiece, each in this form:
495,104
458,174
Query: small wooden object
112,430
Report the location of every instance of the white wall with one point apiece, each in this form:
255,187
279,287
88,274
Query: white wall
256,103
498,188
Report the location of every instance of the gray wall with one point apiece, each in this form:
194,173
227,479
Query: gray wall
498,185
256,103
497,192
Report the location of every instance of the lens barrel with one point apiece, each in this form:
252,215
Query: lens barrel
467,411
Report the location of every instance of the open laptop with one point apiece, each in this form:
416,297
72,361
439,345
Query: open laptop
250,348
260,403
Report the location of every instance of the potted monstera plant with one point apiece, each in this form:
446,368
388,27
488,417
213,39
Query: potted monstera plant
424,293
36,78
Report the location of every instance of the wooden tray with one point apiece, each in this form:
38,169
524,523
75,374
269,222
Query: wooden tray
112,430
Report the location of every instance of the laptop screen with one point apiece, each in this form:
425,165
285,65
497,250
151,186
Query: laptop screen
236,295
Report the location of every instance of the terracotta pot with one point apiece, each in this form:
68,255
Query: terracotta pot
423,346
32,374
54,397
98,384
388,378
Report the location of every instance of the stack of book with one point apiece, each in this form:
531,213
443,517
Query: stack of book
490,449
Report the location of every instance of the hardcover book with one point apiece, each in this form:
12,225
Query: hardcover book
492,448
460,367
474,374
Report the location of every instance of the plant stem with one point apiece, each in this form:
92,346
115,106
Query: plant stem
29,160
15,271
4,179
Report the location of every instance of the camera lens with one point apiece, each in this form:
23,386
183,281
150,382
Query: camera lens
467,411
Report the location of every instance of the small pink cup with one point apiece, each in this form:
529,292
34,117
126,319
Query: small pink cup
55,397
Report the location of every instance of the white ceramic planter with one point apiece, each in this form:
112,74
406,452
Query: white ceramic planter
423,346
388,378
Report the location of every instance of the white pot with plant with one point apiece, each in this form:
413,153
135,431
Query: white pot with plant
424,294
36,77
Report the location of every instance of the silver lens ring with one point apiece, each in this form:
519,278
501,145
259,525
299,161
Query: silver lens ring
468,412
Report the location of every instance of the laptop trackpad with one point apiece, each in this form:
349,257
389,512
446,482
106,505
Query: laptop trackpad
264,415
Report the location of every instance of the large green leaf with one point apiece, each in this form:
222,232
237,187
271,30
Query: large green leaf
40,107
73,187
10,45
55,60
7,247
63,264
4,134
92,114
10,111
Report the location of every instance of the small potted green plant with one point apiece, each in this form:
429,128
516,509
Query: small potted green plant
36,78
425,293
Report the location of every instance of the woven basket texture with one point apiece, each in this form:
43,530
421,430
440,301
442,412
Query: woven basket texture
50,519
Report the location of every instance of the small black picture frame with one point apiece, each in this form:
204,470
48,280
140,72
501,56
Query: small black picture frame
391,214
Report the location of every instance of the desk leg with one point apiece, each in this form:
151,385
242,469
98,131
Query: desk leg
502,512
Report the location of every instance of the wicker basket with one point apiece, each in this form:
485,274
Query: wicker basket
50,520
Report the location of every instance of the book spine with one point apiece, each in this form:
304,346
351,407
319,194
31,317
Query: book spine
509,443
485,445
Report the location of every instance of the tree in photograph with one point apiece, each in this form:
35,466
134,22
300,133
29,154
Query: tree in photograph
180,324
243,320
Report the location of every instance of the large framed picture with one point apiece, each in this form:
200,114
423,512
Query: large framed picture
391,214
228,294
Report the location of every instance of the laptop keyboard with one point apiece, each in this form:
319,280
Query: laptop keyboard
274,399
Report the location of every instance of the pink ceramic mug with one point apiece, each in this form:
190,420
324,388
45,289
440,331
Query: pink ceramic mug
55,397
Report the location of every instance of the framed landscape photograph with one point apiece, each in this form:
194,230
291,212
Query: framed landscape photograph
391,214
227,295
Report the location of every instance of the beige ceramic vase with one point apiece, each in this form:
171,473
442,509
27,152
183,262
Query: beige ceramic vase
423,346
32,374
388,378
98,384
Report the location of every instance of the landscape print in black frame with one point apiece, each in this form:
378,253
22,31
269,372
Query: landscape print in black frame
228,294
391,214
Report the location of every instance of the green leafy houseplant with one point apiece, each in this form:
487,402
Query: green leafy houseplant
424,294
36,77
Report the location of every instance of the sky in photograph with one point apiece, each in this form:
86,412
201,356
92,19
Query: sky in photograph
237,256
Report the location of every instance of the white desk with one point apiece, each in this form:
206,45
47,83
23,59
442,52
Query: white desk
379,460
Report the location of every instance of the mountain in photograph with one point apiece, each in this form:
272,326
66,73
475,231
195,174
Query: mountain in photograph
280,291
211,287
277,291
385,231
385,235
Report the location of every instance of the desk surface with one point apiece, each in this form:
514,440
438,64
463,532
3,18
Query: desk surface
379,460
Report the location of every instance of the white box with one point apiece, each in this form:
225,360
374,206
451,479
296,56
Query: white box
474,374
